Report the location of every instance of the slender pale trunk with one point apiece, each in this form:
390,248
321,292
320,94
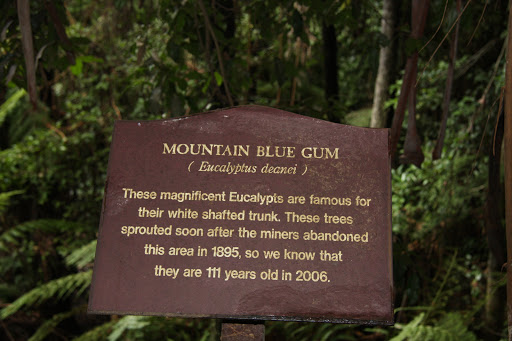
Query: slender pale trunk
28,49
379,117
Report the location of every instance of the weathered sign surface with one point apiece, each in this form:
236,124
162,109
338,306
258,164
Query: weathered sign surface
249,213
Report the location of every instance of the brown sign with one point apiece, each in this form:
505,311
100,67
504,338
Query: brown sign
248,213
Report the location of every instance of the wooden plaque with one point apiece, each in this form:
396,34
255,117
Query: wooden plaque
246,213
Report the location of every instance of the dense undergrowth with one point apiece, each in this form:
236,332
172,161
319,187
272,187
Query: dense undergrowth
135,61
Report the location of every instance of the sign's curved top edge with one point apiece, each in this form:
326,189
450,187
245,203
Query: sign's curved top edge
247,109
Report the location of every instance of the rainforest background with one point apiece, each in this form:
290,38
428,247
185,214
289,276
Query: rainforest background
433,71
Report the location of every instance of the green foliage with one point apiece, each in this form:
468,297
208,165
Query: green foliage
16,121
49,49
430,197
69,231
157,59
152,328
7,107
128,323
5,199
31,256
309,331
61,288
49,325
79,64
450,328
82,256
43,163
98,333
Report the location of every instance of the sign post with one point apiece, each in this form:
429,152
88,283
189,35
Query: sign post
242,331
249,213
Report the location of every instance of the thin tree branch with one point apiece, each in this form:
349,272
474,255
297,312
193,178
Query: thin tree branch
219,53
438,27
478,24
6,331
444,38
483,98
499,100
436,154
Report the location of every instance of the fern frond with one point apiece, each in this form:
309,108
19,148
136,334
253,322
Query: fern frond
10,104
58,289
5,198
450,328
408,328
82,256
48,326
98,333
128,323
20,232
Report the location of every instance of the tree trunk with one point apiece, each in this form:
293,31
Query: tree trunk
331,89
494,301
508,169
418,18
495,296
379,117
412,145
60,29
28,49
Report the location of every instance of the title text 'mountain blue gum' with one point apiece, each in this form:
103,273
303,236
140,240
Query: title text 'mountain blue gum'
245,150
